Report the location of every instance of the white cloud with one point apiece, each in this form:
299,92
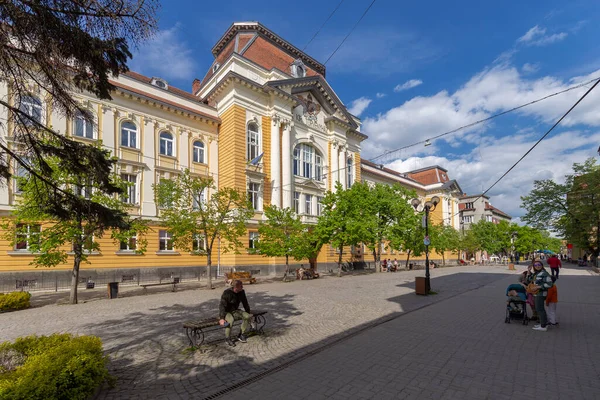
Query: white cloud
380,95
530,68
165,55
408,85
536,36
359,105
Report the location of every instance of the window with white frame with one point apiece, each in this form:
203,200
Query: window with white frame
467,219
489,218
129,245
308,204
198,149
297,202
83,127
87,243
27,235
254,194
349,172
252,239
198,243
199,199
130,195
20,175
253,141
129,134
167,144
31,106
165,240
308,163
469,205
84,191
319,205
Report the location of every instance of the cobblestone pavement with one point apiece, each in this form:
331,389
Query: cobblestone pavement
453,344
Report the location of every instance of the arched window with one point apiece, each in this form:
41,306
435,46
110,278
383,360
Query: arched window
308,163
198,149
83,127
32,106
128,134
166,144
349,172
253,141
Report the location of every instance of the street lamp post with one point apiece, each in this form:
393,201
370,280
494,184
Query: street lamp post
427,206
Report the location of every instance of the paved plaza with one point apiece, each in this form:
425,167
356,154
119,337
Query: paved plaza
356,337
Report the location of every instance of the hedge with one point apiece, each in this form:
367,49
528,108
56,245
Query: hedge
14,301
59,366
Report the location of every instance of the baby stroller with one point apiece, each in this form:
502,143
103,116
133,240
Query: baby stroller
516,308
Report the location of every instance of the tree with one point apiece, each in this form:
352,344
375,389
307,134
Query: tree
571,209
59,47
283,235
444,238
388,207
196,214
35,224
342,220
486,234
409,238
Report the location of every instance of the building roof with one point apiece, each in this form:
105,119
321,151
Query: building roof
465,197
255,26
497,211
426,169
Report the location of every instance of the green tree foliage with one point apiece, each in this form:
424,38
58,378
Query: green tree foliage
571,209
387,209
76,232
60,47
282,234
444,238
197,214
409,238
342,222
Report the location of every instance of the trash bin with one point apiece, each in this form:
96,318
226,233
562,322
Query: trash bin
90,284
511,266
113,290
421,285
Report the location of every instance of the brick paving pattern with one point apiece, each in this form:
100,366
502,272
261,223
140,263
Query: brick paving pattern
451,345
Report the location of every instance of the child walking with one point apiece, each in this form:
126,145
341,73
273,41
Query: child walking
551,302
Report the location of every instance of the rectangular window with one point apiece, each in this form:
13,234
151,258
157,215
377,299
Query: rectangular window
467,219
26,236
198,244
165,241
489,218
253,142
130,195
84,191
469,205
319,205
318,167
297,202
296,165
254,195
20,174
129,244
308,204
252,240
307,161
83,127
199,199
349,173
88,243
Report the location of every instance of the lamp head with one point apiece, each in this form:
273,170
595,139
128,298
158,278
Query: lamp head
415,203
435,200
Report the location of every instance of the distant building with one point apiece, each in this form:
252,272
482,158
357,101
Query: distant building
477,207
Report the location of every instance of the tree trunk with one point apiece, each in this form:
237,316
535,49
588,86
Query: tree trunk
378,262
375,261
443,259
209,285
287,268
340,261
407,258
75,279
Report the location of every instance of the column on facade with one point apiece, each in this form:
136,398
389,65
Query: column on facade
343,163
334,167
286,160
275,165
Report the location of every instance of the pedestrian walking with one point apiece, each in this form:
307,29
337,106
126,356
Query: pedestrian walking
539,283
555,265
551,302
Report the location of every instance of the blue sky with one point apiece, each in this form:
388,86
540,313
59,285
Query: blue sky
413,70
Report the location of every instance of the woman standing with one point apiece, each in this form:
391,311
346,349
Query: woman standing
539,283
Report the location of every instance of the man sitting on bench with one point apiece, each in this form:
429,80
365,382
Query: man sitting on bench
228,311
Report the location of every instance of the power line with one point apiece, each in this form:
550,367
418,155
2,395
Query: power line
349,33
322,26
485,119
539,140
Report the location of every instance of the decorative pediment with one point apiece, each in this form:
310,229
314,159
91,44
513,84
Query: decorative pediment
310,184
321,97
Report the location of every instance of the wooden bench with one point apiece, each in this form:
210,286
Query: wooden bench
195,330
300,273
174,283
245,277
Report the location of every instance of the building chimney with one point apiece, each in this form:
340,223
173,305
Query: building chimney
196,86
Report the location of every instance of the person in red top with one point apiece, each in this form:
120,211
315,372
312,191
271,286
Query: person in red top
555,265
